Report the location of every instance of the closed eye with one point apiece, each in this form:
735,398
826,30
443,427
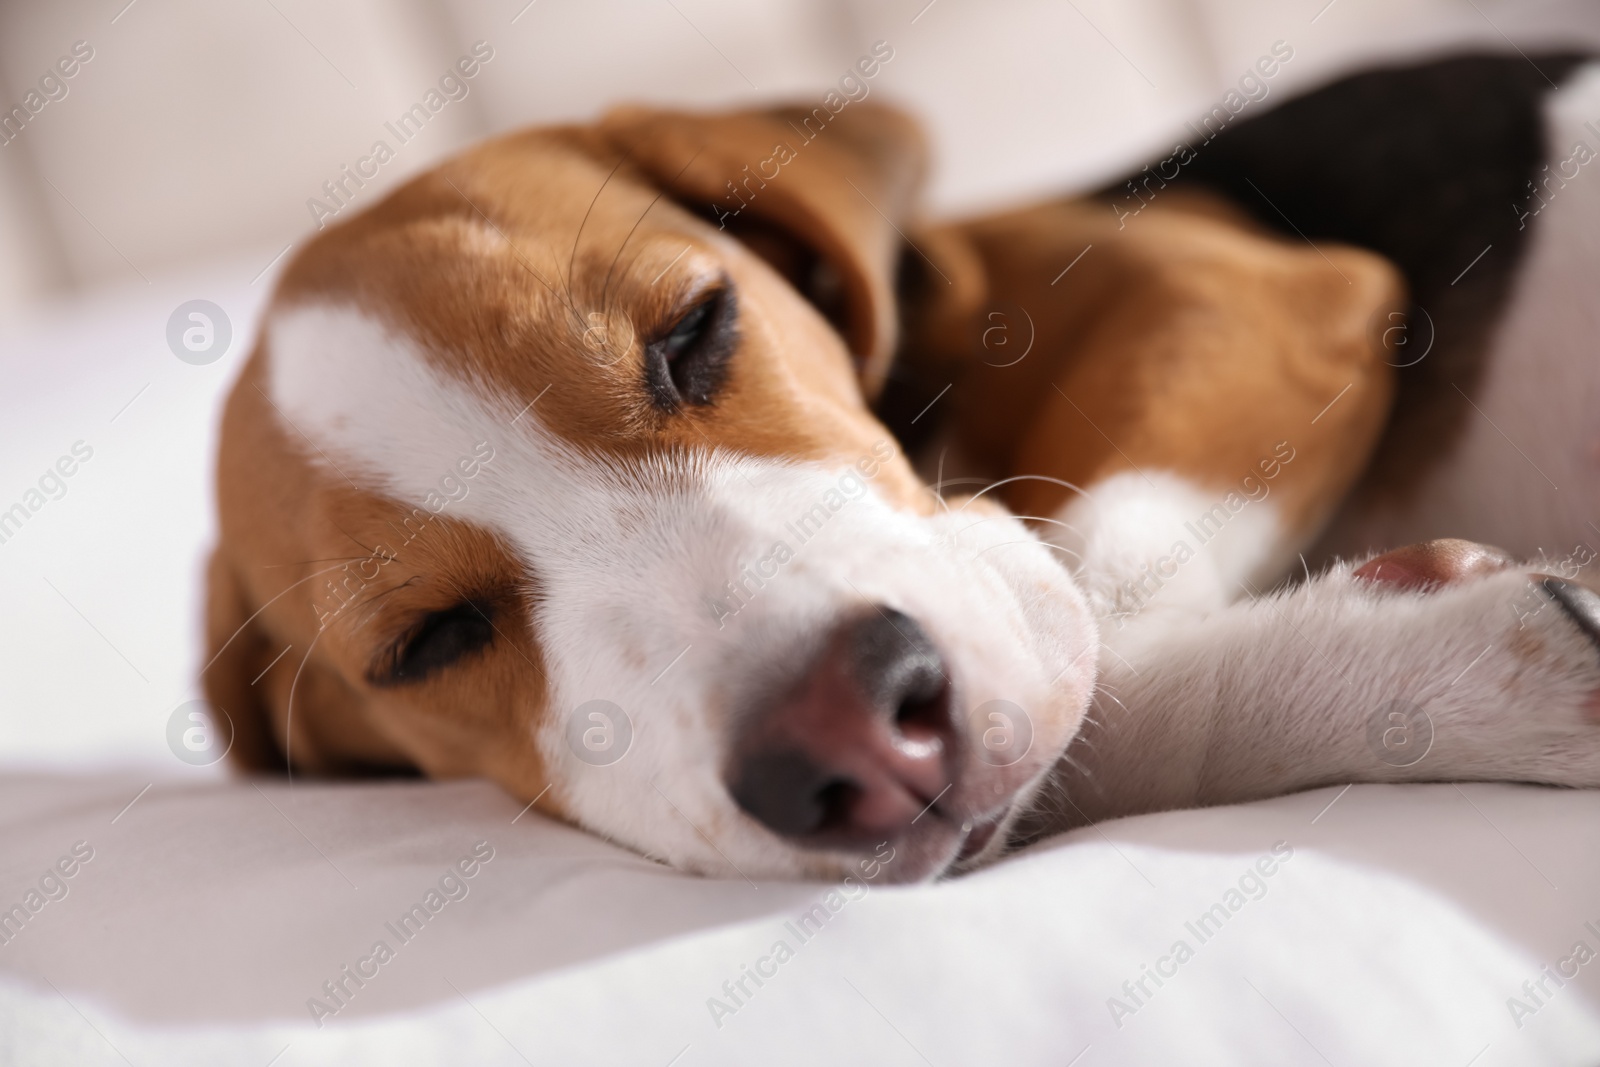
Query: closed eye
441,639
689,361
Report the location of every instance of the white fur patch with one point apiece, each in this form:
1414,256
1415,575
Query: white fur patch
1156,541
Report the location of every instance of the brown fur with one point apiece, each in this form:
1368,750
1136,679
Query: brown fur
1189,341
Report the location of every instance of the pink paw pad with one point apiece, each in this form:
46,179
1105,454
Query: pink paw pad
1433,563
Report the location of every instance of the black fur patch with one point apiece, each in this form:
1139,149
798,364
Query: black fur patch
1427,164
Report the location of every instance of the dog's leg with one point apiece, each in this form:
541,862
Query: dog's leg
1442,661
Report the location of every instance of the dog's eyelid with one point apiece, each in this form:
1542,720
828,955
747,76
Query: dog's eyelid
434,641
683,330
687,361
699,300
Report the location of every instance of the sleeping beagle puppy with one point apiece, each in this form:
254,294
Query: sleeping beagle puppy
570,465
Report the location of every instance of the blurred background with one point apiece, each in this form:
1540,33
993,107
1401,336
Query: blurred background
176,162
199,129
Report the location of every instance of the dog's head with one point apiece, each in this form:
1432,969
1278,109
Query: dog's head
557,466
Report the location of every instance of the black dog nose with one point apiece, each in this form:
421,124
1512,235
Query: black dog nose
861,747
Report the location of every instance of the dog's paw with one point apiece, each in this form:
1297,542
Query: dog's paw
1505,679
1439,662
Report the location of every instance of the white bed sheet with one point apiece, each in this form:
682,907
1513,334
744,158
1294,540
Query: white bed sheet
1392,929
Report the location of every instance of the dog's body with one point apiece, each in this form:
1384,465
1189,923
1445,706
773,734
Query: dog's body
1469,175
544,477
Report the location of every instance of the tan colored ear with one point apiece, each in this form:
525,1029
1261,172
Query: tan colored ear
1188,341
236,652
823,196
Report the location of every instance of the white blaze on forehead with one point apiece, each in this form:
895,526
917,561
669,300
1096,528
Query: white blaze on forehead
377,411
632,562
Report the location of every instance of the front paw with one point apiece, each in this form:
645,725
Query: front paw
1514,689
1444,662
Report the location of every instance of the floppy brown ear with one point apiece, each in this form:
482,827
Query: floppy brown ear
824,197
1190,341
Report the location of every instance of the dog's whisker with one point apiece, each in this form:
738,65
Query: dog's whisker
310,562
1102,686
1037,544
1030,518
372,551
1029,478
1052,522
288,720
404,540
1109,695
370,605
253,615
970,480
606,286
522,259
572,257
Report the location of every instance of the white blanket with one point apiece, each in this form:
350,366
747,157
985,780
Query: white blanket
1381,926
